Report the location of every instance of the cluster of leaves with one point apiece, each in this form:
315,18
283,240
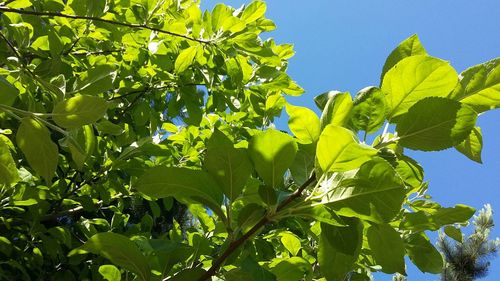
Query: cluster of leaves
136,139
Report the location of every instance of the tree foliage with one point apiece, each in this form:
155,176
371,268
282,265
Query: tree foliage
137,140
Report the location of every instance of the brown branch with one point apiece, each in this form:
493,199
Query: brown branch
131,25
263,221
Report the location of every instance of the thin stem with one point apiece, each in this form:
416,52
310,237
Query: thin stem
262,222
16,53
131,25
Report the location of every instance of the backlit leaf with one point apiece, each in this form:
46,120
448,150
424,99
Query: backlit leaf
411,46
272,153
303,123
472,145
415,78
78,111
33,138
387,248
368,112
423,254
338,150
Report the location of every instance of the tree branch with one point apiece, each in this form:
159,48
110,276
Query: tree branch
131,25
263,221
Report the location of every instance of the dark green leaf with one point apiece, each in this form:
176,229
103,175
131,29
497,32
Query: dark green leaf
423,254
433,219
435,124
120,250
387,248
9,92
368,112
339,248
182,183
454,233
303,164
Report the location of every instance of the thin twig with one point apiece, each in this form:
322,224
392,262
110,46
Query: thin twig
131,25
263,221
16,53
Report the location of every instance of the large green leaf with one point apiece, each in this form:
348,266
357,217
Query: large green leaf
423,254
435,123
254,11
291,242
120,250
272,153
303,123
8,92
376,193
339,248
368,112
411,46
96,80
415,78
337,109
479,86
33,138
433,219
182,183
78,111
338,150
387,248
472,145
294,268
185,58
8,171
229,166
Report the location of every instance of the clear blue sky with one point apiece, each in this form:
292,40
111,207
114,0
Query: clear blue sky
342,45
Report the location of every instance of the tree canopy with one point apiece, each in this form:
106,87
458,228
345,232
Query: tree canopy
137,141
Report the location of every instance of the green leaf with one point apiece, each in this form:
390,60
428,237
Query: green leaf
120,250
33,138
185,58
415,78
110,272
254,11
472,145
8,171
368,112
291,243
303,164
376,193
249,270
387,248
303,123
433,219
423,254
294,268
338,150
479,86
454,233
272,153
337,109
188,274
9,92
95,81
19,4
78,111
339,248
435,124
411,46
229,166
182,183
